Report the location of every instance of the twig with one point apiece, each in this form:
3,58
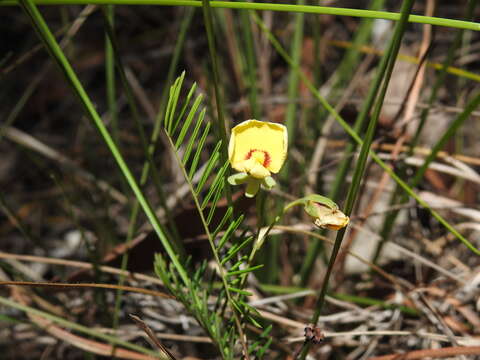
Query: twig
463,172
431,336
81,265
417,150
23,297
34,144
86,285
322,140
433,353
142,325
399,282
417,257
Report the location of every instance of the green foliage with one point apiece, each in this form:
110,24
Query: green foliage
223,311
225,322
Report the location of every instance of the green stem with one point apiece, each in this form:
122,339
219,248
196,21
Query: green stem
110,75
220,123
391,55
52,46
221,269
358,127
459,24
442,74
112,112
147,165
291,117
471,106
397,196
348,129
80,328
178,245
250,63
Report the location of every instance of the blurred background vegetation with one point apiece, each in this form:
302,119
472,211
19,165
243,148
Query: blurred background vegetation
407,275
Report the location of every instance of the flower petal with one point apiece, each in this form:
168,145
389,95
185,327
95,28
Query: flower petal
252,187
267,142
333,221
258,171
328,218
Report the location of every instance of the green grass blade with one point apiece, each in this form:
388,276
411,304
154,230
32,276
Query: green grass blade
179,118
326,10
209,167
219,125
225,218
348,129
110,74
213,206
200,145
80,328
193,137
172,103
345,164
216,183
188,122
250,63
384,76
235,249
228,233
244,271
112,113
52,46
291,116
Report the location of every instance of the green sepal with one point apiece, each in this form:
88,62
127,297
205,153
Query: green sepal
253,185
268,183
310,202
322,200
238,178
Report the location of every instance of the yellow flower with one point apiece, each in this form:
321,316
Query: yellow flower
257,149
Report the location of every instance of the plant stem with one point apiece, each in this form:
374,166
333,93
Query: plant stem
398,197
362,159
57,54
220,123
326,10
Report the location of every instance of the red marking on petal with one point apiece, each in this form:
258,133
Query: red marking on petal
267,159
266,156
249,154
